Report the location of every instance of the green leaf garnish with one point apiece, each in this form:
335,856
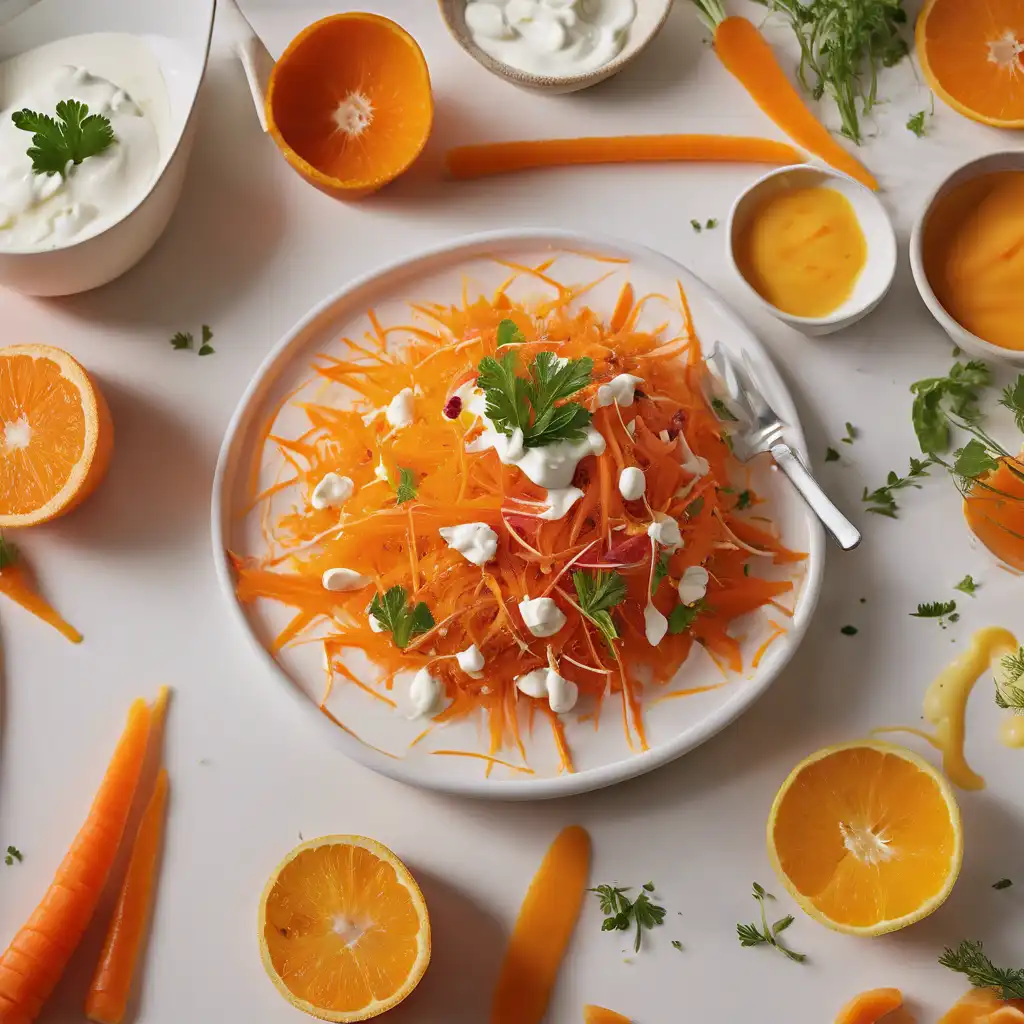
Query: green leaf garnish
683,616
751,935
206,349
660,571
180,340
851,434
967,585
721,410
405,489
1003,883
831,455
744,500
849,631
695,224
936,398
969,959
881,500
400,618
621,913
915,123
934,610
509,334
598,593
73,136
711,223
974,460
1013,399
13,854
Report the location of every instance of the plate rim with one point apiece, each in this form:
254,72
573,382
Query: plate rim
588,779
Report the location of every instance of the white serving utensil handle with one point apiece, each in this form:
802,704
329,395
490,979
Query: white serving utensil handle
842,531
255,57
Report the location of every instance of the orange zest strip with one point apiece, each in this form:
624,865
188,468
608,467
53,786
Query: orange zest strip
39,953
542,931
505,157
760,652
869,1007
17,583
481,757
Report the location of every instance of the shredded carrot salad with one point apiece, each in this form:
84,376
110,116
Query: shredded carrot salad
409,481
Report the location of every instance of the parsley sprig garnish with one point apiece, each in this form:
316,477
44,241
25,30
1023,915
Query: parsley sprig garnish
660,571
598,593
13,854
72,136
969,959
967,585
683,616
509,334
882,500
529,403
405,488
621,913
935,610
184,339
751,935
399,617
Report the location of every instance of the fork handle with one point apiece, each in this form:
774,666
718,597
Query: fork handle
842,531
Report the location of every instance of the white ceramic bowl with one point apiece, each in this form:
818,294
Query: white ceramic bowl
1008,161
650,17
178,35
879,268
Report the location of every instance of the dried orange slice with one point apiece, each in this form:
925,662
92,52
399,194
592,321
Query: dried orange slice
344,931
972,55
866,836
349,103
994,510
56,435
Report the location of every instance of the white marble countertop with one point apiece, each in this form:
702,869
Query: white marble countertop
250,249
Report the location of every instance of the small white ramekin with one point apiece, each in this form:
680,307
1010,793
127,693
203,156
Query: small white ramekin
1012,160
879,267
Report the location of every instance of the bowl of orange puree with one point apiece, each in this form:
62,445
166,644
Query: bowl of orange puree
967,255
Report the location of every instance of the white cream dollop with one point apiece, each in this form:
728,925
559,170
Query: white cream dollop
476,542
471,661
695,464
561,693
693,584
560,500
552,465
399,410
655,625
620,390
380,471
332,491
343,580
426,694
542,616
665,531
632,483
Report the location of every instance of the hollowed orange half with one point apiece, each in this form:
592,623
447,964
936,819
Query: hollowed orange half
349,103
972,55
994,510
344,932
55,434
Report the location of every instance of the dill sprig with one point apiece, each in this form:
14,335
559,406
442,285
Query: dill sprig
970,959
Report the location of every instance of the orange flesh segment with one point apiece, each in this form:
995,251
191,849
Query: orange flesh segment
599,1015
352,97
42,432
542,931
969,47
341,929
857,790
997,520
870,1006
983,1006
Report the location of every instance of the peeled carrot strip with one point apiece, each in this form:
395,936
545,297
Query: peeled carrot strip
38,954
746,54
17,584
542,932
870,1006
504,157
599,1015
108,995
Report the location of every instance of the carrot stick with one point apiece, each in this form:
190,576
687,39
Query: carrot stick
542,932
746,54
17,584
870,1006
504,157
37,956
111,986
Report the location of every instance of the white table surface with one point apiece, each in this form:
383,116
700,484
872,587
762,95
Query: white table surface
250,249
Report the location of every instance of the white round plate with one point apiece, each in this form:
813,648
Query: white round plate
376,734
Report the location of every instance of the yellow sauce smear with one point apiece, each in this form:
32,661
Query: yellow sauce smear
802,250
945,703
542,932
974,256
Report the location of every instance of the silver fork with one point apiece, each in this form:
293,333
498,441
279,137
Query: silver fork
760,429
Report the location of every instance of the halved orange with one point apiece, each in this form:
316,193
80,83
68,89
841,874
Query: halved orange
866,836
994,510
349,103
56,435
972,56
344,931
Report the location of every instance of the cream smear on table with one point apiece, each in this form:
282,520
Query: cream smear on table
47,211
551,38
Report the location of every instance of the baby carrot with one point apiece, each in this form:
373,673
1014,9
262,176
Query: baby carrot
111,986
17,584
38,954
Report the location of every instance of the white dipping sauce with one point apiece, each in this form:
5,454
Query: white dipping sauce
47,211
551,38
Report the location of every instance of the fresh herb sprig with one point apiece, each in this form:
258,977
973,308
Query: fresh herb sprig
751,935
72,136
398,616
970,959
509,334
1010,681
882,500
934,610
13,855
683,616
529,403
843,44
621,913
1003,883
967,586
184,340
660,571
598,593
405,488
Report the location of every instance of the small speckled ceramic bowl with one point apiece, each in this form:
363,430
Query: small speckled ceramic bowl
879,268
650,17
